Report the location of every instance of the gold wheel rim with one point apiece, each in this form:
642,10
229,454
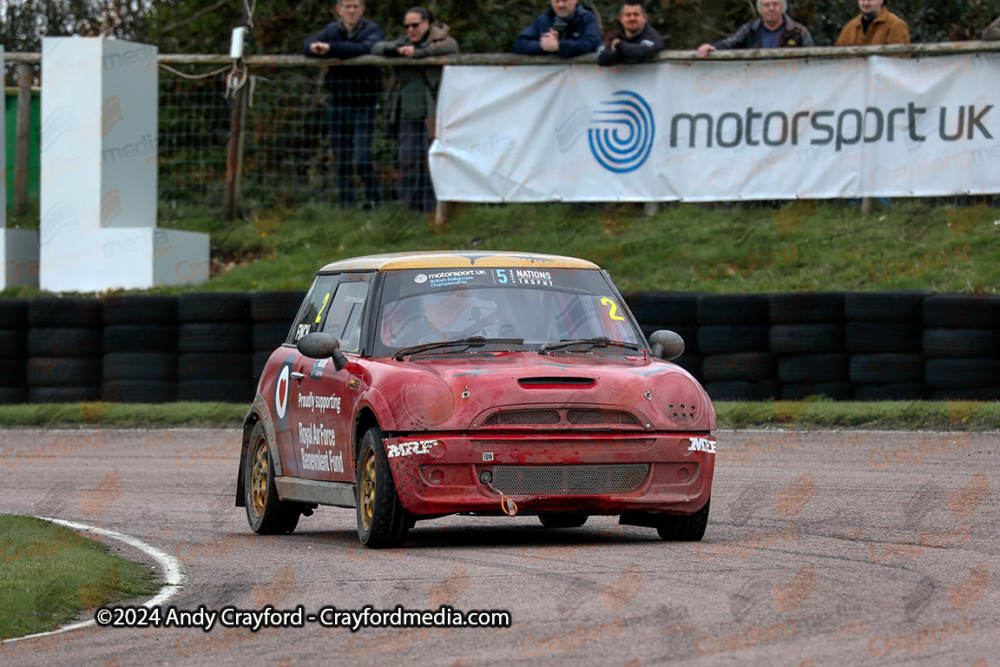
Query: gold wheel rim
368,490
258,477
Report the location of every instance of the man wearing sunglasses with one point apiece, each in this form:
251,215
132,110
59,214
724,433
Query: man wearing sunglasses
411,103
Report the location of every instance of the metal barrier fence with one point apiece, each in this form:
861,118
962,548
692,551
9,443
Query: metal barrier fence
280,152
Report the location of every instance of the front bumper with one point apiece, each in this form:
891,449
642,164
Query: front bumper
443,473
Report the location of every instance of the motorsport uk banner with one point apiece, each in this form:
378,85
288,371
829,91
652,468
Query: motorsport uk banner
724,130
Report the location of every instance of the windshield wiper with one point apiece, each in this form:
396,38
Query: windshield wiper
471,341
591,343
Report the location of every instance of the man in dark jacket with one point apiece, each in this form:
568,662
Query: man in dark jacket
774,29
636,42
566,30
354,94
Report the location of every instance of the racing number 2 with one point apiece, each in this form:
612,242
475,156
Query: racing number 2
326,300
612,309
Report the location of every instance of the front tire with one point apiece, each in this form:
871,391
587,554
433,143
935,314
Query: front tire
266,513
562,519
684,527
382,520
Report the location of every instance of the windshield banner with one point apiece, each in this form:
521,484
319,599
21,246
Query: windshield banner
724,130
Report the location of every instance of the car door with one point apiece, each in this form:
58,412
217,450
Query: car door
290,420
325,404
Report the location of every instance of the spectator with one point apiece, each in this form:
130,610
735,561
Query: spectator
354,93
992,32
875,25
636,42
412,101
566,29
774,29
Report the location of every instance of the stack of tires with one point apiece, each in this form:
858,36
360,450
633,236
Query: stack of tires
214,341
808,337
272,314
64,350
884,335
961,339
672,311
13,350
140,349
734,337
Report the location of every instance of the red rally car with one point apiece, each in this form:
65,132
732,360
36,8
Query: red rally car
416,385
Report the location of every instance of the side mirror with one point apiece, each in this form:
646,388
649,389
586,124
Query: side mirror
321,346
666,345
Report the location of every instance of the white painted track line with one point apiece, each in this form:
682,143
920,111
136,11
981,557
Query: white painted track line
173,573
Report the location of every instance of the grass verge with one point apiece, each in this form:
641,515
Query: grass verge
730,248
127,415
49,574
807,414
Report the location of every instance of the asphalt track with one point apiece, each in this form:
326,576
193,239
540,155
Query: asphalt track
846,548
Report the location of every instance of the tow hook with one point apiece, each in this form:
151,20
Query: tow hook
507,506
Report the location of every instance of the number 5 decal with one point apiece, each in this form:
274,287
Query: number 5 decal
612,309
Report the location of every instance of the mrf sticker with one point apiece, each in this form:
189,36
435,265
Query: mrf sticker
410,448
702,445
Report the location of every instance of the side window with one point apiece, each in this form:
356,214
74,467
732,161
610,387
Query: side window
344,318
313,308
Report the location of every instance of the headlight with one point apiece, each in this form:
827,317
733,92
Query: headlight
428,400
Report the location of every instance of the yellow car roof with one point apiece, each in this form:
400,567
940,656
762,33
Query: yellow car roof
449,259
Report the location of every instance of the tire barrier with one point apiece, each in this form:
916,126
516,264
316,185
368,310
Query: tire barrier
140,349
866,346
13,351
140,343
272,314
65,350
962,344
215,341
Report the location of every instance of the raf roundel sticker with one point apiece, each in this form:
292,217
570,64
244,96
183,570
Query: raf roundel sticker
420,278
281,393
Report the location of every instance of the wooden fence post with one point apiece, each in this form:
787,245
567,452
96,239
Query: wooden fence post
232,203
25,75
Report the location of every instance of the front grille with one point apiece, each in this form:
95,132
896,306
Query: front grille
583,480
554,416
589,416
523,417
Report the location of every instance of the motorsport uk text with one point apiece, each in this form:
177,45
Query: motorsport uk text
269,617
822,127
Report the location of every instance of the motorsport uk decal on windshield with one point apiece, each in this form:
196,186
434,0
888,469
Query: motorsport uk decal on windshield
485,277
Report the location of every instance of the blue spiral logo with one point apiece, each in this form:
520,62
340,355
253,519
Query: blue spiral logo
623,138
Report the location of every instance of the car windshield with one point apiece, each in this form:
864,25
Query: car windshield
540,306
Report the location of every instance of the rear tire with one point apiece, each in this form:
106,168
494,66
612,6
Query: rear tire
382,520
562,519
266,513
684,527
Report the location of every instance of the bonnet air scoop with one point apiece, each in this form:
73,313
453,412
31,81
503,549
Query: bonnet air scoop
549,382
